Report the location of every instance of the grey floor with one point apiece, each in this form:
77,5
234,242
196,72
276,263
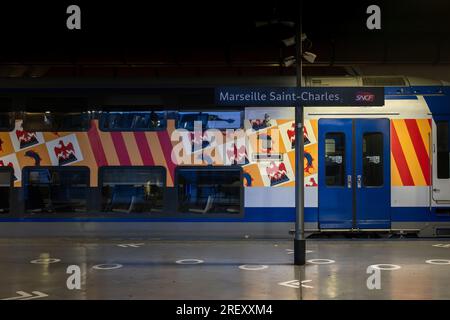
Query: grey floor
149,269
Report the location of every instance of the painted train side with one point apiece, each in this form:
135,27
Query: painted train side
366,169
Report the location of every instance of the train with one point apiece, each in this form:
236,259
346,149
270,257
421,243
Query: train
177,171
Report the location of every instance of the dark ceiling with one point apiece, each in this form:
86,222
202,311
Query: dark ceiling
220,38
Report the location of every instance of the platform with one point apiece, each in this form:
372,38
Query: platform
239,269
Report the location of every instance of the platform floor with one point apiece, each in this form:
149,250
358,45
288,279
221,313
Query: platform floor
147,269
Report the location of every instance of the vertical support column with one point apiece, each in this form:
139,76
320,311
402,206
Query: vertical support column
299,239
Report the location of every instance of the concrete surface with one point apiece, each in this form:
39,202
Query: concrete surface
149,269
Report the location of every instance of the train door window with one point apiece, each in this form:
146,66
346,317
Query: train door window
56,121
372,161
335,159
133,121
6,121
221,120
443,150
5,189
132,189
210,190
56,189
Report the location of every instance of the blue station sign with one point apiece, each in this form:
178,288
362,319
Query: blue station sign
293,96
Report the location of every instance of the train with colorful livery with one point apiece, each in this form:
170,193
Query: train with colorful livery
178,170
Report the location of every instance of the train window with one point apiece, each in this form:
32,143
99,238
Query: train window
204,190
55,189
443,150
56,121
221,120
372,161
133,121
335,159
5,189
6,121
132,189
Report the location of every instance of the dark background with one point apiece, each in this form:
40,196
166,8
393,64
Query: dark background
214,37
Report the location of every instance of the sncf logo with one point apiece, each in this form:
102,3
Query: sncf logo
364,97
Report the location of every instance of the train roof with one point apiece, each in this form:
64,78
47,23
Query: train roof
373,81
208,82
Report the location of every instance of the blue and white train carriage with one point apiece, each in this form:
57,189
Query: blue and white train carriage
113,170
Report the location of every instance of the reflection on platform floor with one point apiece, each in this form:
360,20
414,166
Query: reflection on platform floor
244,269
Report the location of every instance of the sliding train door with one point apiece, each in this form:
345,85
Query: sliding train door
372,174
335,174
354,174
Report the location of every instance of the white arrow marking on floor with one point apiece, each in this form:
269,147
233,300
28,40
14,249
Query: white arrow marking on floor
22,295
296,284
441,245
132,245
290,251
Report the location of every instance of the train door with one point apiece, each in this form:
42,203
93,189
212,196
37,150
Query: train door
335,174
441,158
354,174
372,173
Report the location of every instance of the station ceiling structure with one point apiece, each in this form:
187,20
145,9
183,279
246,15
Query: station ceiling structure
225,38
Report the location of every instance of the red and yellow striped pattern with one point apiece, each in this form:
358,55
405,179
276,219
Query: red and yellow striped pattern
410,147
131,149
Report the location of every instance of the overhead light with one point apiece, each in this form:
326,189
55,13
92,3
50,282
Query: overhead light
309,56
289,61
289,41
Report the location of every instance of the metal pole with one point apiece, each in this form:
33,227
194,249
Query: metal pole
299,239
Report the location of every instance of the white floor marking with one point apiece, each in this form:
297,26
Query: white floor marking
130,245
22,295
442,245
296,284
385,266
189,261
321,261
291,251
253,267
45,261
107,266
438,261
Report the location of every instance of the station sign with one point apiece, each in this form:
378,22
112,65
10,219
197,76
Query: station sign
294,96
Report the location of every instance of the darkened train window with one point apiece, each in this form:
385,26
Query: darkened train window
335,159
56,189
443,150
221,120
6,121
133,121
209,190
56,121
5,189
372,159
132,189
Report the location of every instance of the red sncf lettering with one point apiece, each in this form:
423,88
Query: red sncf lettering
365,97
